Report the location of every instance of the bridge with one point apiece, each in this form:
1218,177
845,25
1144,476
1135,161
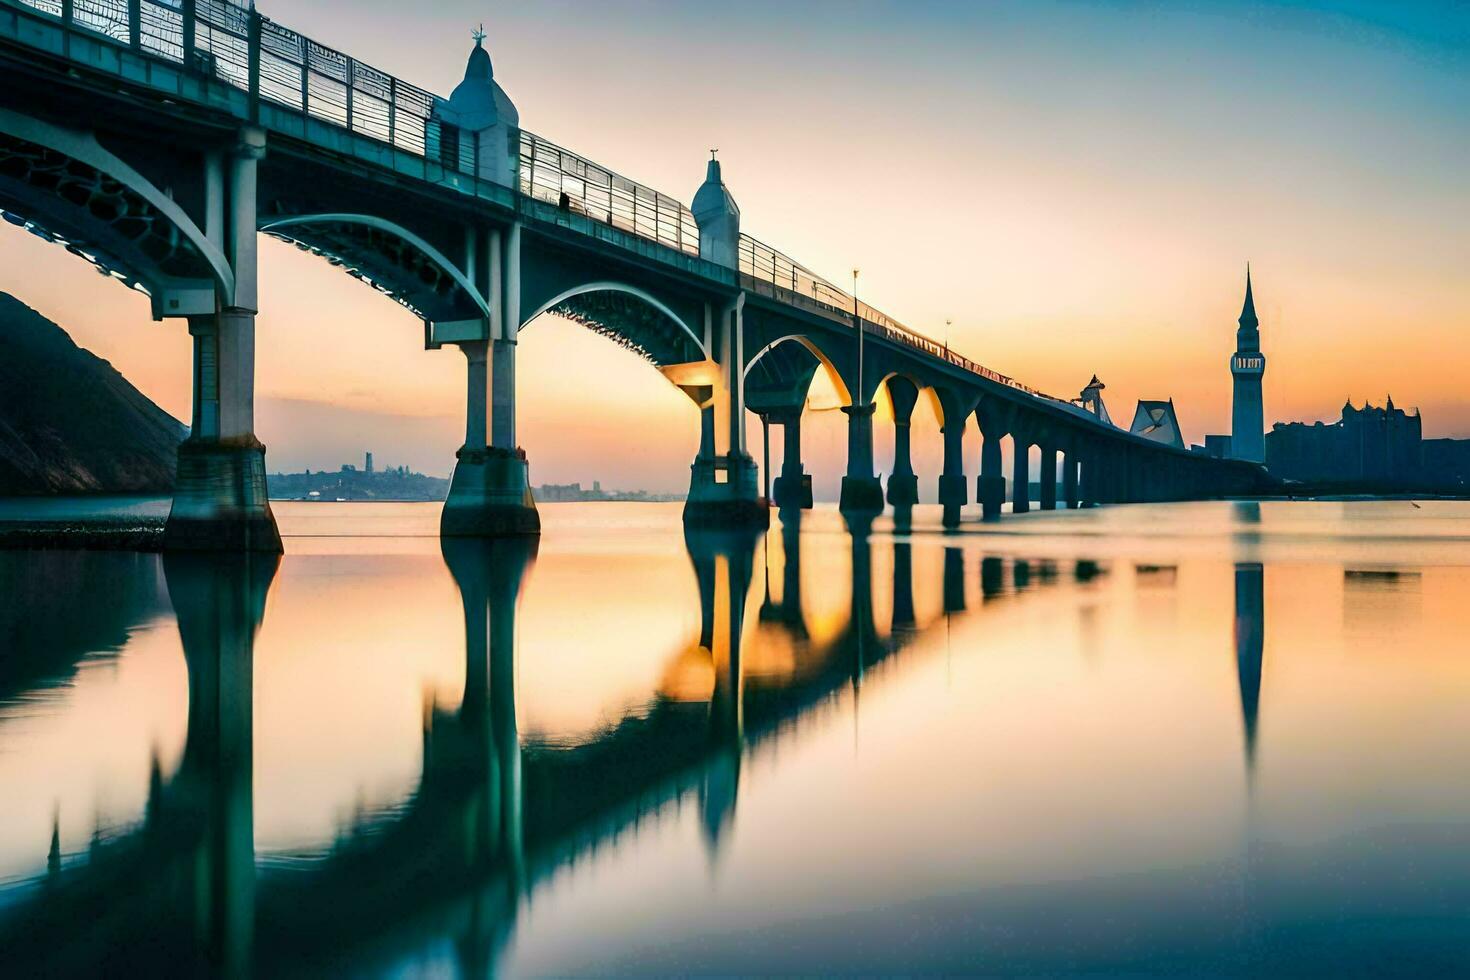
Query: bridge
157,139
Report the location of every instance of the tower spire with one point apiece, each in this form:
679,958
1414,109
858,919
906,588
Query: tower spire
1248,310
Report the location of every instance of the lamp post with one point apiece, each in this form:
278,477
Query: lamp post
857,322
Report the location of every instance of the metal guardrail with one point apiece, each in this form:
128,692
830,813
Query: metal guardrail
765,265
555,174
253,53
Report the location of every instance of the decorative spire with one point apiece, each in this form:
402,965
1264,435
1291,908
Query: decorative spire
479,35
1248,310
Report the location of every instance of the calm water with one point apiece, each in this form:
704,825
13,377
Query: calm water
1205,738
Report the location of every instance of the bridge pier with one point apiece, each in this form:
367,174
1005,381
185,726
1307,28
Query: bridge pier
1020,473
1070,465
862,492
220,499
1048,477
991,484
903,484
490,491
1090,478
793,487
724,486
953,488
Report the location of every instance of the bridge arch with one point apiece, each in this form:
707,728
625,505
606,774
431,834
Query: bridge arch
633,318
839,384
65,187
927,392
388,257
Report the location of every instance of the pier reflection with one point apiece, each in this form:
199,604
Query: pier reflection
493,814
1250,644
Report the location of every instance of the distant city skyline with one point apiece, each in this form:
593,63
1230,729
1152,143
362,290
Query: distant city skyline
1078,189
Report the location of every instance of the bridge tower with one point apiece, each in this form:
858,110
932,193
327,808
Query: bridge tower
1248,364
724,487
490,491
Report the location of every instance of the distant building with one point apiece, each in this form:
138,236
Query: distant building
1156,420
1447,463
1217,446
1376,445
369,463
1248,365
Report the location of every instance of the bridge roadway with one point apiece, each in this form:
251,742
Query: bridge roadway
158,138
491,817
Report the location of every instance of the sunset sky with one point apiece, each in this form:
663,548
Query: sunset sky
1078,186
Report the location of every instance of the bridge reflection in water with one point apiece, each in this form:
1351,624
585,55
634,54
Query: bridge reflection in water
493,814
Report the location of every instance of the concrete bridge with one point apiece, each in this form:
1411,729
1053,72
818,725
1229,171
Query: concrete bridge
158,139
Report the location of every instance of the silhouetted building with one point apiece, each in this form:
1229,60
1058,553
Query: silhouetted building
1156,420
1370,444
1217,446
368,463
1447,463
1091,400
1248,365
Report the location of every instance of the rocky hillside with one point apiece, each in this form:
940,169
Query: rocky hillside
69,423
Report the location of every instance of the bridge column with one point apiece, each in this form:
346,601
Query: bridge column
1070,465
1020,471
1090,492
953,491
724,487
490,491
1127,474
793,488
903,484
862,492
1107,475
991,485
220,498
1048,477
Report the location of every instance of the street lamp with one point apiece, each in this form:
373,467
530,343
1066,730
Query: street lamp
857,322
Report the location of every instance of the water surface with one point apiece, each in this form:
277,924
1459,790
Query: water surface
1212,738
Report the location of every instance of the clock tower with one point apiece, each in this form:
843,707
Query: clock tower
1248,364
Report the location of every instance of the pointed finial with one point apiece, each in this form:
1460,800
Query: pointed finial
713,151
1248,308
478,34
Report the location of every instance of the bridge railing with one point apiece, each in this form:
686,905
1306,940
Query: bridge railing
251,52
766,266
557,175
255,54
